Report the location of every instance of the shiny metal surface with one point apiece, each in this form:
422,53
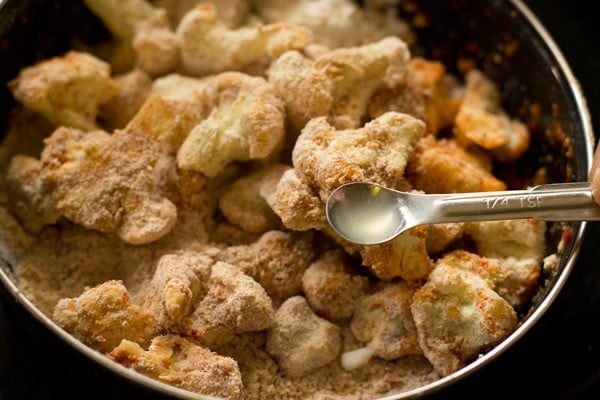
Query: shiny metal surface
370,214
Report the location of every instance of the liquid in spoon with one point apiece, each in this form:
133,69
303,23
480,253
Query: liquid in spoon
365,214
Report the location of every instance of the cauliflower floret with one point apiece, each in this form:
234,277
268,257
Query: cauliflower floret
521,246
34,208
490,269
458,316
232,12
235,303
327,158
108,183
208,46
179,282
441,236
339,83
68,90
242,204
332,286
179,362
335,23
133,89
427,93
405,256
482,120
277,261
301,341
103,316
246,123
142,32
174,106
443,166
296,203
383,321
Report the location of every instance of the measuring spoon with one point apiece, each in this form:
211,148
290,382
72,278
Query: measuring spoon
369,214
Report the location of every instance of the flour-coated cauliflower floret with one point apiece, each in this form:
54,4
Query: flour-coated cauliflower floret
306,90
332,285
482,120
108,182
383,321
179,362
334,23
246,123
174,106
179,282
208,46
277,260
67,89
405,256
242,204
300,340
443,166
458,317
103,316
490,269
27,200
520,245
233,13
235,303
441,236
296,203
142,32
339,83
326,158
427,92
133,89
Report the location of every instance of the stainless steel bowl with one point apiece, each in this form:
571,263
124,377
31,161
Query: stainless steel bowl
536,72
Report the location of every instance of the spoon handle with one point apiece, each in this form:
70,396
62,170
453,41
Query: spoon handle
551,202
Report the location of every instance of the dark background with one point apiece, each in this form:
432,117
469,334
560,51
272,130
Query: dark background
558,359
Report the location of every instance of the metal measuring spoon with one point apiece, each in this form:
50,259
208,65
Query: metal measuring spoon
368,214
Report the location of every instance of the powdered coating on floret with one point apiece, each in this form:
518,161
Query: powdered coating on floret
405,256
34,207
458,316
208,46
246,123
103,316
427,92
332,285
243,205
108,183
234,303
179,282
327,158
335,23
443,166
482,120
384,322
68,89
142,33
277,260
520,245
179,362
296,203
301,341
338,84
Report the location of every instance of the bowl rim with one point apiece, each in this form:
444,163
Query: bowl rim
430,388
